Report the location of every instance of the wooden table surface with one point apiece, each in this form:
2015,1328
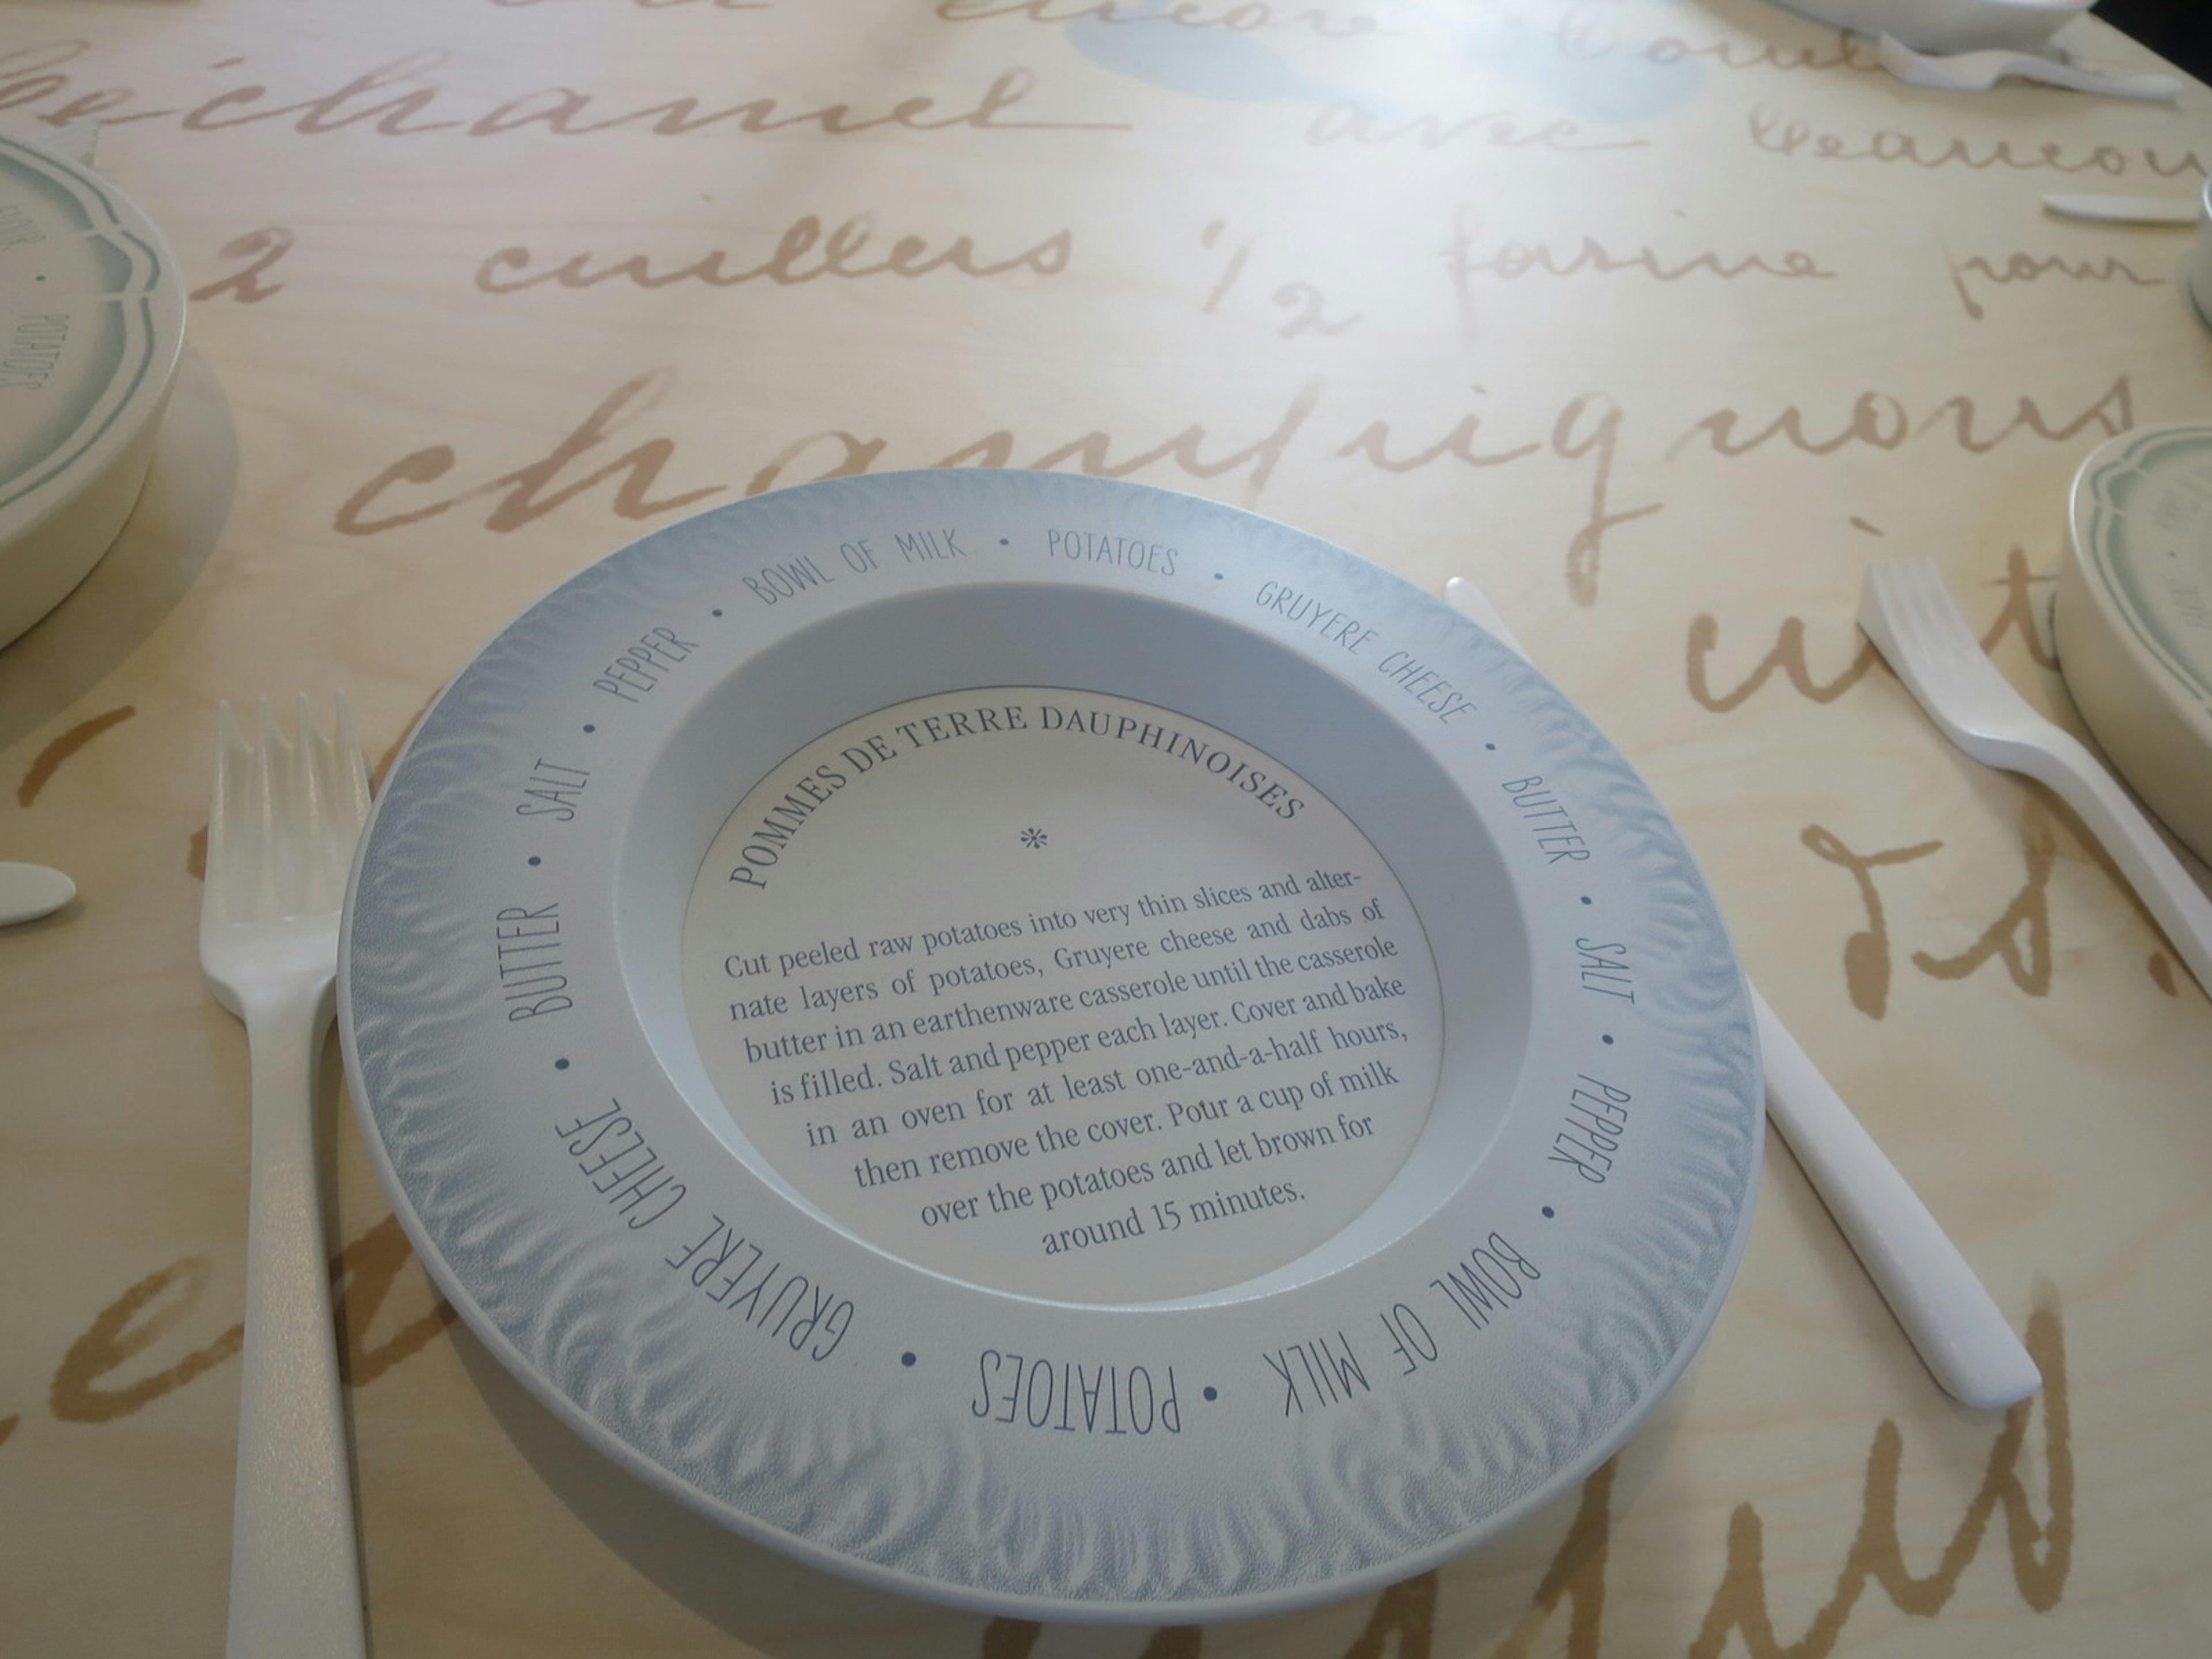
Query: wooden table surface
1660,321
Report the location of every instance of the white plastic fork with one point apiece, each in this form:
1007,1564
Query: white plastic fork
1952,1322
283,821
1910,615
1978,71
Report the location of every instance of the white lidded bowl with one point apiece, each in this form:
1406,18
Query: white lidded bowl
2197,264
2133,617
1948,24
92,319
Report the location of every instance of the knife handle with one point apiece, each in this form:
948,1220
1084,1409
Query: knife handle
1953,1321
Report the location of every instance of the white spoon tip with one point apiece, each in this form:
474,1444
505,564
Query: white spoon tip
28,891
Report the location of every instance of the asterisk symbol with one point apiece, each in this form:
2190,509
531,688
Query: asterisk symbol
1033,838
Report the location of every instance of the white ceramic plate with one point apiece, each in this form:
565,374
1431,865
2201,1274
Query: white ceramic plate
822,991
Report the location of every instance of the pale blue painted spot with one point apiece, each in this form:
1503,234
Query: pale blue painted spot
1220,64
1616,84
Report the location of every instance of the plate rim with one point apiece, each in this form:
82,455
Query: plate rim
1043,1604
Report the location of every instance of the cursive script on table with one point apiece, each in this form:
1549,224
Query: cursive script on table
2024,267
1587,431
2015,616
1511,261
1783,135
261,249
128,1357
2021,937
1583,35
803,254
395,98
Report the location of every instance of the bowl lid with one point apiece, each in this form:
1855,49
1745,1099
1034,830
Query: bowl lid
92,319
2135,613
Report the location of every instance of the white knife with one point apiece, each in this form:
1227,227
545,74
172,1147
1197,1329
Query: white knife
2125,209
1954,1323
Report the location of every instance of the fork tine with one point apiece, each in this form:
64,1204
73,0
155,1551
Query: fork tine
311,803
1922,616
1904,612
223,790
1881,613
274,882
353,765
349,801
226,777
284,813
1942,626
1923,599
333,815
1875,598
1892,616
1936,594
306,787
1908,581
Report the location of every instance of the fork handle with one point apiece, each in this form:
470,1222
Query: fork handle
2175,902
2152,88
294,1564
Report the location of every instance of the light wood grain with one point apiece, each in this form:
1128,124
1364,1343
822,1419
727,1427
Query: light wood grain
1658,321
